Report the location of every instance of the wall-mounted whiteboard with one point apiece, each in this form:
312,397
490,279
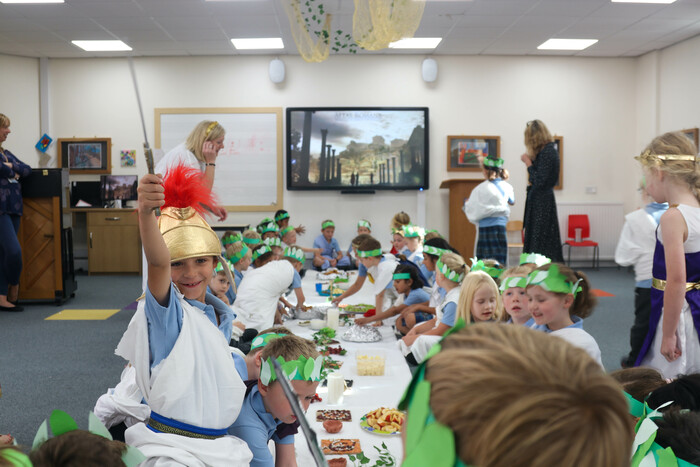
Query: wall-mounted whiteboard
249,167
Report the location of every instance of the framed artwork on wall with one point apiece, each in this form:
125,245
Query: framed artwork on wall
463,152
85,155
559,144
691,133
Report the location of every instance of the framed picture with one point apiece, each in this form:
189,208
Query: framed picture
691,133
463,152
86,155
559,144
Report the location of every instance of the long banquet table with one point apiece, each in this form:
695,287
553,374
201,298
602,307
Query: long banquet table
367,393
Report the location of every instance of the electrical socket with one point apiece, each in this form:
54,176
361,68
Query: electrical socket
591,190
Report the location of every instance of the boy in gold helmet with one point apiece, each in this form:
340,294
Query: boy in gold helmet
178,338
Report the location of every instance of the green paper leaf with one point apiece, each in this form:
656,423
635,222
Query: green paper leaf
308,369
132,457
420,408
42,435
60,422
436,448
266,373
95,426
666,458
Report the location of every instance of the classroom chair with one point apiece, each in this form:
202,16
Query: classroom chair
513,227
580,222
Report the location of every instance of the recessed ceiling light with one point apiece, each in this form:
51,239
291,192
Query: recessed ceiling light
258,43
643,1
567,44
32,1
102,46
416,43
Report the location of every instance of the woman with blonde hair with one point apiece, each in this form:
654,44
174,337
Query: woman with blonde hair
541,224
199,151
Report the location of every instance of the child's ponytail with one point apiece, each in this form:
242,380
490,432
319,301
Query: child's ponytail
585,301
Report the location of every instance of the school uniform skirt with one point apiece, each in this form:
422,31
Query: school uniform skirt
492,243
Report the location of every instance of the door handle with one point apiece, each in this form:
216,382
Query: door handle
112,218
90,239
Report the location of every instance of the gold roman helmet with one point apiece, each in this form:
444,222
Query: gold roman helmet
187,234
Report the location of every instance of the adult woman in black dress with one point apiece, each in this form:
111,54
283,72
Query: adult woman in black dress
11,170
541,223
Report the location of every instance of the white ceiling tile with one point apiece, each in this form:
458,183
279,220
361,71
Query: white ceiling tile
241,8
680,10
501,7
654,24
125,22
141,35
446,8
479,21
627,10
566,7
169,8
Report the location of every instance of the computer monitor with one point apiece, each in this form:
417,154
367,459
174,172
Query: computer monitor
118,187
85,194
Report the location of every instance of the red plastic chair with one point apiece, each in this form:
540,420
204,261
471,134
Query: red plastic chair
580,221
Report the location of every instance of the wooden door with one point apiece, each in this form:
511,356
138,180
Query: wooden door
40,239
462,232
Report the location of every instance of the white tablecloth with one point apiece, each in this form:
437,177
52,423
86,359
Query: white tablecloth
367,393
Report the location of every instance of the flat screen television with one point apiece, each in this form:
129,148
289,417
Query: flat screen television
118,187
357,149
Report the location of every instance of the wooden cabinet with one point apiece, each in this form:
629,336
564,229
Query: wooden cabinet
114,245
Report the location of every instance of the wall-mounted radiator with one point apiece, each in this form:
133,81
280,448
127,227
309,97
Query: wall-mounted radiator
606,221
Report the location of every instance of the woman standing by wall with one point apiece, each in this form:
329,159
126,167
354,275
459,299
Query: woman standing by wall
541,223
11,171
200,151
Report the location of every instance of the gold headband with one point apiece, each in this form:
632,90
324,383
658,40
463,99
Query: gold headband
676,157
667,157
210,127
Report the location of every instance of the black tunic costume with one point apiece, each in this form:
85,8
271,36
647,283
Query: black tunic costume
540,221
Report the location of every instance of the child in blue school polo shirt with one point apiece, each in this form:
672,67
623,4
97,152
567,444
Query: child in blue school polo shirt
266,414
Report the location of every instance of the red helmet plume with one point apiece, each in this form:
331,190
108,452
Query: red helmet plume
186,187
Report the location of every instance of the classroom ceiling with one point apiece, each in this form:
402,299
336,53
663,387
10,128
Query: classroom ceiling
471,27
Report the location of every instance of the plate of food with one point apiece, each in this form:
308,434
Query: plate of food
359,309
341,446
383,421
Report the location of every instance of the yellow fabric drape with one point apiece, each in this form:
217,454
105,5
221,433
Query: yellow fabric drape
377,23
311,49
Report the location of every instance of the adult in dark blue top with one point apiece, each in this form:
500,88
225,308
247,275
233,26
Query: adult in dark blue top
11,171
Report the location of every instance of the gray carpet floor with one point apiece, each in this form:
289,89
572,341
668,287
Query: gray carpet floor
67,365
